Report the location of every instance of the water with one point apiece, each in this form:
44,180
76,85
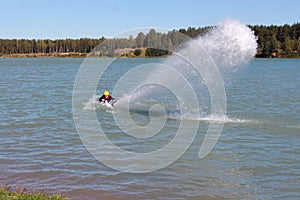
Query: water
188,85
256,157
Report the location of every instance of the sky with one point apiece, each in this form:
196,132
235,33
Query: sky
60,19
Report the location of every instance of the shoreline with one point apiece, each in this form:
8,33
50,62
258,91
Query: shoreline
118,53
8,192
45,55
85,55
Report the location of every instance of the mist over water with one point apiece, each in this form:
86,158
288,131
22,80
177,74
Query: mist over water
205,61
230,44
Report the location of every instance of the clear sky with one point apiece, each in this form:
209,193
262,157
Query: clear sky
60,19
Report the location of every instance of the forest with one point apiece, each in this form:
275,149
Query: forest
274,41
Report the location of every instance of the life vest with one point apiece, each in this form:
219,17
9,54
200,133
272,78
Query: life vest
107,97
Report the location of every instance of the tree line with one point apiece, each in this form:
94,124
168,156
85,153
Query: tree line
26,46
273,41
278,41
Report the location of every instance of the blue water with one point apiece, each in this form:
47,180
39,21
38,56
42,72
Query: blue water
256,157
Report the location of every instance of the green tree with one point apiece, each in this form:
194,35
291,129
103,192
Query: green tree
137,52
140,39
150,40
288,47
274,45
298,46
267,49
152,52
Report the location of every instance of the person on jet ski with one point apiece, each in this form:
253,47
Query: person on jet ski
106,97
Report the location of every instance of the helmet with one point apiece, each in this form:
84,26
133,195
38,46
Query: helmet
106,93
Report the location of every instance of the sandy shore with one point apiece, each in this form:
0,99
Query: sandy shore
46,55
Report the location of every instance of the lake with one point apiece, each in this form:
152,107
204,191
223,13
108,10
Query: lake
257,155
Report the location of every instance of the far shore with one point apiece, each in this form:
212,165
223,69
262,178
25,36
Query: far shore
45,55
128,54
123,53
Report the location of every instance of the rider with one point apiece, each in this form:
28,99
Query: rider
106,97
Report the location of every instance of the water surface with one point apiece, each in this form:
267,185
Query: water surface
256,157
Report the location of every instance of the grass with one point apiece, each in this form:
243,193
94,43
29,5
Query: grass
21,194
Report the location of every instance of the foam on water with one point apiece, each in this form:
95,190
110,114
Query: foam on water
92,103
209,118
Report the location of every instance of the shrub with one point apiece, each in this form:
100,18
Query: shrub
137,52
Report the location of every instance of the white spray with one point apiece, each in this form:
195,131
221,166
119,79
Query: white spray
226,46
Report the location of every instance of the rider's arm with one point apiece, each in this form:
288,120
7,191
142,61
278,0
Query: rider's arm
101,98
